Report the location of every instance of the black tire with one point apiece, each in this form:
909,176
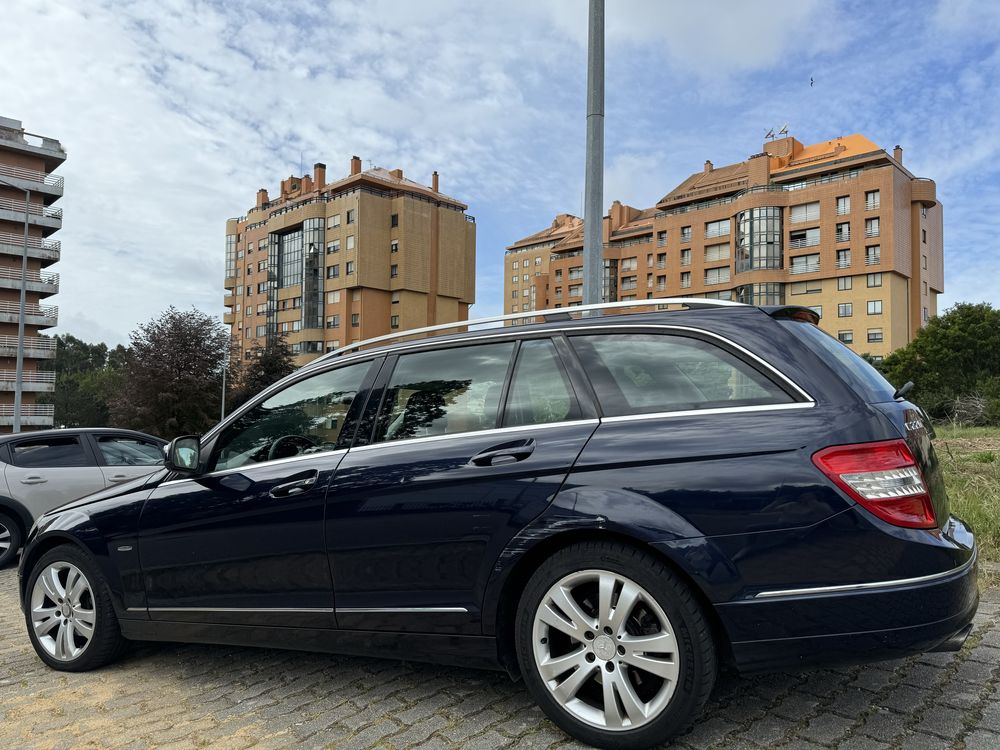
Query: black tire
10,532
106,643
695,647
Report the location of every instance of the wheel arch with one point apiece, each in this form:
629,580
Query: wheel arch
525,566
11,507
33,553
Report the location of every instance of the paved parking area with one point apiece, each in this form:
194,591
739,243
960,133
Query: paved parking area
169,696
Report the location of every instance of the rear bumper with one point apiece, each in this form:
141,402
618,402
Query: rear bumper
881,621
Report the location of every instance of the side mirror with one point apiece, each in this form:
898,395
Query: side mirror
184,454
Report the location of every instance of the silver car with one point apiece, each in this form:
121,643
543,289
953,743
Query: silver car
42,470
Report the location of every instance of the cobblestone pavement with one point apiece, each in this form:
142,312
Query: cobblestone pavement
172,696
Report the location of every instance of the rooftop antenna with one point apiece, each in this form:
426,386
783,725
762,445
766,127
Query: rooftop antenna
784,129
369,163
770,134
302,168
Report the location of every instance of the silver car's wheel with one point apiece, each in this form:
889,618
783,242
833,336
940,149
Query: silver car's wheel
63,611
5,539
605,649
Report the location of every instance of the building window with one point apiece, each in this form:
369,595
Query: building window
845,310
250,270
805,212
872,227
394,319
843,232
333,247
685,234
926,315
661,240
874,307
805,263
513,264
717,275
685,257
350,267
350,242
355,320
843,205
873,255
525,307
262,287
576,290
843,259
524,263
844,283
716,253
803,238
525,278
685,280
872,200
333,221
514,279
923,236
661,260
261,330
262,265
525,292
333,321
538,261
394,220
923,262
874,335
717,228
333,297
925,293
395,298
846,337
513,294
333,272
351,215
393,271
249,290
558,274
874,279
806,287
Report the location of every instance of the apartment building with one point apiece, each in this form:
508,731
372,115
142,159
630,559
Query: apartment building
839,226
29,188
329,263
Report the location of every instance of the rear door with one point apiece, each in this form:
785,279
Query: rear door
48,471
417,518
124,457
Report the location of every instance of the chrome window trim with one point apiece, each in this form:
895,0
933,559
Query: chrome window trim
467,434
246,467
401,610
719,410
227,610
850,587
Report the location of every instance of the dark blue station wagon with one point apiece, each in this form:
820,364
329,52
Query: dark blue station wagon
609,508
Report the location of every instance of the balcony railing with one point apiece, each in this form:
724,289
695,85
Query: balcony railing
872,232
810,267
28,410
843,210
873,260
31,175
35,343
873,205
845,263
40,376
661,264
685,238
41,311
32,277
662,287
34,209
803,242
686,284
842,237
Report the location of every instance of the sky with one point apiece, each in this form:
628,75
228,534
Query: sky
174,112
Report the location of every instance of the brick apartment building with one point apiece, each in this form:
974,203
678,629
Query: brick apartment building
26,164
840,226
328,263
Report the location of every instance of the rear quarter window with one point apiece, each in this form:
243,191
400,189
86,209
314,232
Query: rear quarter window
864,379
636,373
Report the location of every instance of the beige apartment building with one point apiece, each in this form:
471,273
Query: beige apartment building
26,165
329,263
839,226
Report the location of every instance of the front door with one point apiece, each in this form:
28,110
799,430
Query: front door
126,457
417,519
244,543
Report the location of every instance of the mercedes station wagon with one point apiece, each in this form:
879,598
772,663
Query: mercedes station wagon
609,508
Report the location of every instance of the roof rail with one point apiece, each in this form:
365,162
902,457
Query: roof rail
562,312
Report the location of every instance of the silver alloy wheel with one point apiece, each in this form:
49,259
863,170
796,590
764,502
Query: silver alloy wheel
63,611
4,538
605,650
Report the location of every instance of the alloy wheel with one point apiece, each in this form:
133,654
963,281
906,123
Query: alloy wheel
63,613
605,650
5,538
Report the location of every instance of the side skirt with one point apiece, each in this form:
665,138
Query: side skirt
475,652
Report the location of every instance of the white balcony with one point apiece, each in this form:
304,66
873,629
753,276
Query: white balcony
803,242
36,382
46,217
33,180
42,282
35,347
32,415
44,316
798,268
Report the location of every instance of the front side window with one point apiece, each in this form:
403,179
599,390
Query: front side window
649,373
52,452
540,392
444,392
306,417
128,451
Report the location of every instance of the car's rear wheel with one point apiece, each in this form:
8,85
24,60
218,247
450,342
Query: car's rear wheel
613,646
70,619
10,539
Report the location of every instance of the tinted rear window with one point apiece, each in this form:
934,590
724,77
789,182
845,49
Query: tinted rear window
50,452
861,376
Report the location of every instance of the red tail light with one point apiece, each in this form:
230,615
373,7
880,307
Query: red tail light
884,478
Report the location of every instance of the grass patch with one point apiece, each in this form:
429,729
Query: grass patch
970,458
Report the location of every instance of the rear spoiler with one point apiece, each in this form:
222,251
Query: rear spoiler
792,312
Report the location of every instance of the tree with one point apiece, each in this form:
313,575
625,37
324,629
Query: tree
173,375
87,377
266,365
955,356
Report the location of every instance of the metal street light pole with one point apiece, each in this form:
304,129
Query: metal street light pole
593,242
19,368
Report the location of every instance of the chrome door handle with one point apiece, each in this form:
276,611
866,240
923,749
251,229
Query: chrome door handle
295,486
118,478
34,480
507,453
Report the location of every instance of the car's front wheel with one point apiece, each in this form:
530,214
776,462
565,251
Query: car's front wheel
70,618
613,646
